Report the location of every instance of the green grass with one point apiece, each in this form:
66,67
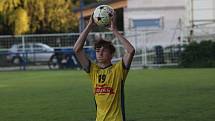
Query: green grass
150,95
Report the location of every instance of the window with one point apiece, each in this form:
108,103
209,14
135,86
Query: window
38,48
149,23
26,48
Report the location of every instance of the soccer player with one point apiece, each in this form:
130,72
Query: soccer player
107,79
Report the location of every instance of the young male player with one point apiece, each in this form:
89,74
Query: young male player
107,78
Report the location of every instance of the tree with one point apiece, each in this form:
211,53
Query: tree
86,2
51,16
198,55
36,16
19,21
7,10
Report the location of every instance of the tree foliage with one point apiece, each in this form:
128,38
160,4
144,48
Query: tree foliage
199,55
36,16
19,21
7,10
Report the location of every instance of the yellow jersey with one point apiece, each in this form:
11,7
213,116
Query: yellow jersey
108,89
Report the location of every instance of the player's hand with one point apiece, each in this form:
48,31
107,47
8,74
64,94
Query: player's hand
91,21
112,26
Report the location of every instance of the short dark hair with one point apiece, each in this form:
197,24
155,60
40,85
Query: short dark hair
106,44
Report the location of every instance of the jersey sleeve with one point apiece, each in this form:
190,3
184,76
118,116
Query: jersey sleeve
122,69
92,71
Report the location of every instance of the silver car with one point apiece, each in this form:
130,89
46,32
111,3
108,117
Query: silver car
33,52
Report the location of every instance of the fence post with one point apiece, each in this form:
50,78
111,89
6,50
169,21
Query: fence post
23,64
144,50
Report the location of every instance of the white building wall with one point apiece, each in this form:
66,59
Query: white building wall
154,3
214,8
200,11
171,11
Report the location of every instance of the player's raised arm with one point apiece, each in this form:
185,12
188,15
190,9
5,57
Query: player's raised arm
78,47
130,51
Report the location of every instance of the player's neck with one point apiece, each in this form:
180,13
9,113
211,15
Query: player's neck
104,65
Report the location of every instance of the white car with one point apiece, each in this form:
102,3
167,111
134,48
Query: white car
33,52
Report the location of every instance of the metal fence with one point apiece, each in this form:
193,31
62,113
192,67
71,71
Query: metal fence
54,51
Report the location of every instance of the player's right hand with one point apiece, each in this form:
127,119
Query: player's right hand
112,26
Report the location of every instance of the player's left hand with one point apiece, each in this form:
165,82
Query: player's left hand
91,21
112,26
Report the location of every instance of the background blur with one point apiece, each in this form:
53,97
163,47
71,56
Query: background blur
40,34
171,77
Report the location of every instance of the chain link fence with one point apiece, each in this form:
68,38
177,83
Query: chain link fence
55,51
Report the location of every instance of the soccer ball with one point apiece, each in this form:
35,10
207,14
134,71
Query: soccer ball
102,15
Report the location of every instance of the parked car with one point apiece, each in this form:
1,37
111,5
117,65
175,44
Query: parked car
31,52
65,58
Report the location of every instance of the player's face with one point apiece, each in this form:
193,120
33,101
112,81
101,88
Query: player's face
103,55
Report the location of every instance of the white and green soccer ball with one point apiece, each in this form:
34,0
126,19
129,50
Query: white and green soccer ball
102,15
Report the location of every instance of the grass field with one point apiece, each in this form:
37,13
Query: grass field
151,95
